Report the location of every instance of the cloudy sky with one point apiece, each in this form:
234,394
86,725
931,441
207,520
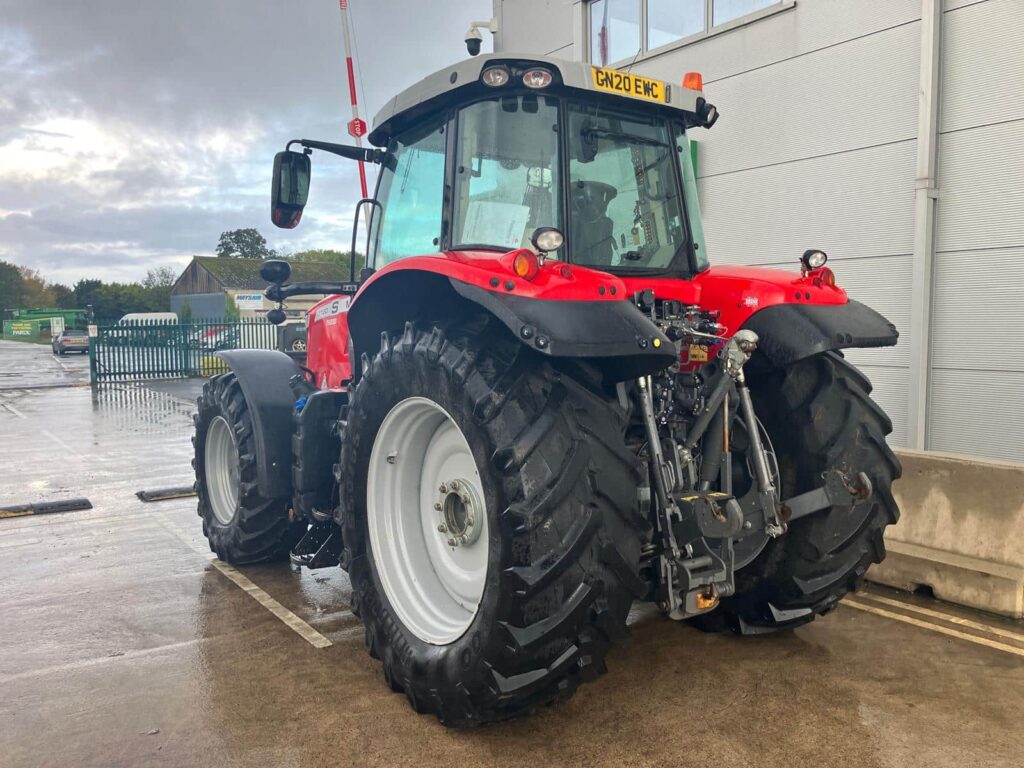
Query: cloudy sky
133,132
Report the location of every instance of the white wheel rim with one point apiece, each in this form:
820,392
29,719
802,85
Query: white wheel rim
421,461
221,462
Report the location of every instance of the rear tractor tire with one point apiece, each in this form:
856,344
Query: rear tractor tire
241,525
819,416
490,520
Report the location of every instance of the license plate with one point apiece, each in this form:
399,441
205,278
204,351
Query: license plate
627,84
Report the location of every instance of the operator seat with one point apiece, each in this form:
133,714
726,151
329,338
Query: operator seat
592,229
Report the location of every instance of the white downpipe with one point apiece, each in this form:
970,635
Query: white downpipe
926,201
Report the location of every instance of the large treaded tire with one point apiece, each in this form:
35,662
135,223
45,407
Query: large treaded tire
260,530
819,415
565,530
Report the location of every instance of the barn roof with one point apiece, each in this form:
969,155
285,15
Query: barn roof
245,273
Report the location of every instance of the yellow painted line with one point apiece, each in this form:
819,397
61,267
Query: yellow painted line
942,616
290,620
935,627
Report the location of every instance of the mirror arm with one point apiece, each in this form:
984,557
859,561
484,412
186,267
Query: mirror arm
282,292
342,150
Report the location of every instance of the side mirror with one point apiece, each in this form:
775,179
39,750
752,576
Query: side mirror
275,271
289,189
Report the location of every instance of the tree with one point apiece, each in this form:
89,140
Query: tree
231,310
87,292
12,288
63,296
161,277
244,244
328,256
36,293
158,284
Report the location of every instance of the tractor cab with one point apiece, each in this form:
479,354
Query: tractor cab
587,165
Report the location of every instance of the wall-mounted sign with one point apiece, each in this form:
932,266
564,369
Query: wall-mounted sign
249,300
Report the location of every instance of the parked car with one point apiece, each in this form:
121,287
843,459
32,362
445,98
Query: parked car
291,339
70,341
214,337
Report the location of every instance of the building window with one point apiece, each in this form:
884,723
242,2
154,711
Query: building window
621,30
729,10
614,30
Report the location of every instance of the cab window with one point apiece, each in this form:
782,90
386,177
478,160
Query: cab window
624,200
411,193
506,175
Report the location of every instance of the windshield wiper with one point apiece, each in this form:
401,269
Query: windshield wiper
604,133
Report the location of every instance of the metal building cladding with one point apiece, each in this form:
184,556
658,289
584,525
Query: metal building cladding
208,282
889,133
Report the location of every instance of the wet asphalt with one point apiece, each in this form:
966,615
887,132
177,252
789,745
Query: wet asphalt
123,644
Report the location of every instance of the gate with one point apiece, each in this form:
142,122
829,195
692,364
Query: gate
130,350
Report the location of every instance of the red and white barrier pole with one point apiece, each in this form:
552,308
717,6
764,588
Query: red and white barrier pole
356,126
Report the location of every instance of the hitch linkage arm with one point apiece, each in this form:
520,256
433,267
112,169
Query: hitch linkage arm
838,491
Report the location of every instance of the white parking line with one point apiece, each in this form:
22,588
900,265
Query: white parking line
14,410
86,663
290,620
1015,650
992,630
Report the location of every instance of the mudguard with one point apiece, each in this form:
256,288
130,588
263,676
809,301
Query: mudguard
264,376
615,335
612,334
791,332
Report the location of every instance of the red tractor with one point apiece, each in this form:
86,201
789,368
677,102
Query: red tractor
538,402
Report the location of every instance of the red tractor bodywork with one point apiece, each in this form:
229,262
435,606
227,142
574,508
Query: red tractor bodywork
736,292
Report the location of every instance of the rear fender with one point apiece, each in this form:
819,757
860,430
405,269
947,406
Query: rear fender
791,332
264,377
614,335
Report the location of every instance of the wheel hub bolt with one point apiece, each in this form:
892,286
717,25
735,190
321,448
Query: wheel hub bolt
442,528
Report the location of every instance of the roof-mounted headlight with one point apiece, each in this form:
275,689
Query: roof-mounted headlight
536,78
494,77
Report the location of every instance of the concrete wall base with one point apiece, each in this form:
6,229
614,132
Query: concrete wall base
961,532
954,578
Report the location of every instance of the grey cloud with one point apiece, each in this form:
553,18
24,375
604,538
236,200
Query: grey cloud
164,79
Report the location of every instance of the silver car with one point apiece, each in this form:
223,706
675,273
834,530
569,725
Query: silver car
70,341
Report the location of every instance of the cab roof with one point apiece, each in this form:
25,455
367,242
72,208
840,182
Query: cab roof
452,84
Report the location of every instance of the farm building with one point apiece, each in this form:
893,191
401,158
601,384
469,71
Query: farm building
207,283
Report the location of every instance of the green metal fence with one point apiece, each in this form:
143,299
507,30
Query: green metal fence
150,349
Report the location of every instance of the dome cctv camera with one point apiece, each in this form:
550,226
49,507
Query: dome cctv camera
473,41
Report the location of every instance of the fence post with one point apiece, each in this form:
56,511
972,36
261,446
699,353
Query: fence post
93,377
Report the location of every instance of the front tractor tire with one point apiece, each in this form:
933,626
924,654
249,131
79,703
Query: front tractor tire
241,525
490,520
819,415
